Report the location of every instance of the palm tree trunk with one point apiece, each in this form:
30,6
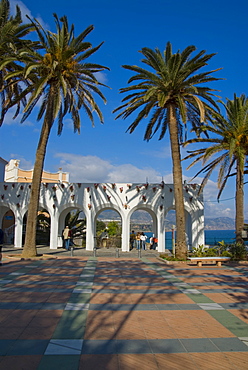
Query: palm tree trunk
29,249
239,203
181,247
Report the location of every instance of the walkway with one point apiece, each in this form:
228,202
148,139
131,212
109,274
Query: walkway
108,313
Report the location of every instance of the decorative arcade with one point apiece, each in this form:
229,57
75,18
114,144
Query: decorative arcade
60,198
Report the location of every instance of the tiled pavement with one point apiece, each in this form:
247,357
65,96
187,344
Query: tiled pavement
108,313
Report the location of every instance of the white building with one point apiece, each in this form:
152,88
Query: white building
60,198
13,173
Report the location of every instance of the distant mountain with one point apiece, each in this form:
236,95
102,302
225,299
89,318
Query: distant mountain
219,223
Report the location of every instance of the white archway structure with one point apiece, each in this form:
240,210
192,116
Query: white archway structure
59,199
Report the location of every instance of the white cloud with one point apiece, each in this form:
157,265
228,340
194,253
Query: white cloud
101,77
95,169
8,119
25,12
24,164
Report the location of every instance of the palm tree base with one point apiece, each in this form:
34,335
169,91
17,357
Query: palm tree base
181,251
30,254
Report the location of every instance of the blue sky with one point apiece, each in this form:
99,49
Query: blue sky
106,153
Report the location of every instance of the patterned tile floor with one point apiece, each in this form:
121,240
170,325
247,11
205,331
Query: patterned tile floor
107,313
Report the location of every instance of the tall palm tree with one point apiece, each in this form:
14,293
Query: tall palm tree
228,150
12,32
59,77
169,94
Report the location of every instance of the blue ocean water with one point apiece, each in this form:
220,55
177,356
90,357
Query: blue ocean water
212,237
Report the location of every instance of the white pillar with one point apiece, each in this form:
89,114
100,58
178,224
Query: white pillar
54,230
18,231
90,231
125,237
161,233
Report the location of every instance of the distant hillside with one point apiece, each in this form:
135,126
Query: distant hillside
219,223
142,217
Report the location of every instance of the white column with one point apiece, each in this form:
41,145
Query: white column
161,232
125,237
54,230
90,231
18,231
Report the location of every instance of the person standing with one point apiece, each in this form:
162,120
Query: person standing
138,241
132,239
143,238
155,243
66,236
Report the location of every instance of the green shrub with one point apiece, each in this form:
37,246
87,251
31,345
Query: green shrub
238,251
226,254
211,252
199,252
170,258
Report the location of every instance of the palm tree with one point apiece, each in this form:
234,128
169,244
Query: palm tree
12,32
170,95
58,76
230,142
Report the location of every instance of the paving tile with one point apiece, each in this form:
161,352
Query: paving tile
244,340
20,362
79,290
99,362
241,313
210,306
28,347
133,346
166,346
137,361
5,345
64,347
99,347
230,344
231,322
199,345
212,361
76,306
71,325
199,298
79,298
63,362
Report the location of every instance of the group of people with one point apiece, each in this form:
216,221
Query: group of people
139,241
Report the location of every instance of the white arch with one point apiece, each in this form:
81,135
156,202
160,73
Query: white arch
59,199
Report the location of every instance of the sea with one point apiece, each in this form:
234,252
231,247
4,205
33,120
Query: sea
212,237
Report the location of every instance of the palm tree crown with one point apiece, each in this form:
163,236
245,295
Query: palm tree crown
173,83
169,95
60,76
12,32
